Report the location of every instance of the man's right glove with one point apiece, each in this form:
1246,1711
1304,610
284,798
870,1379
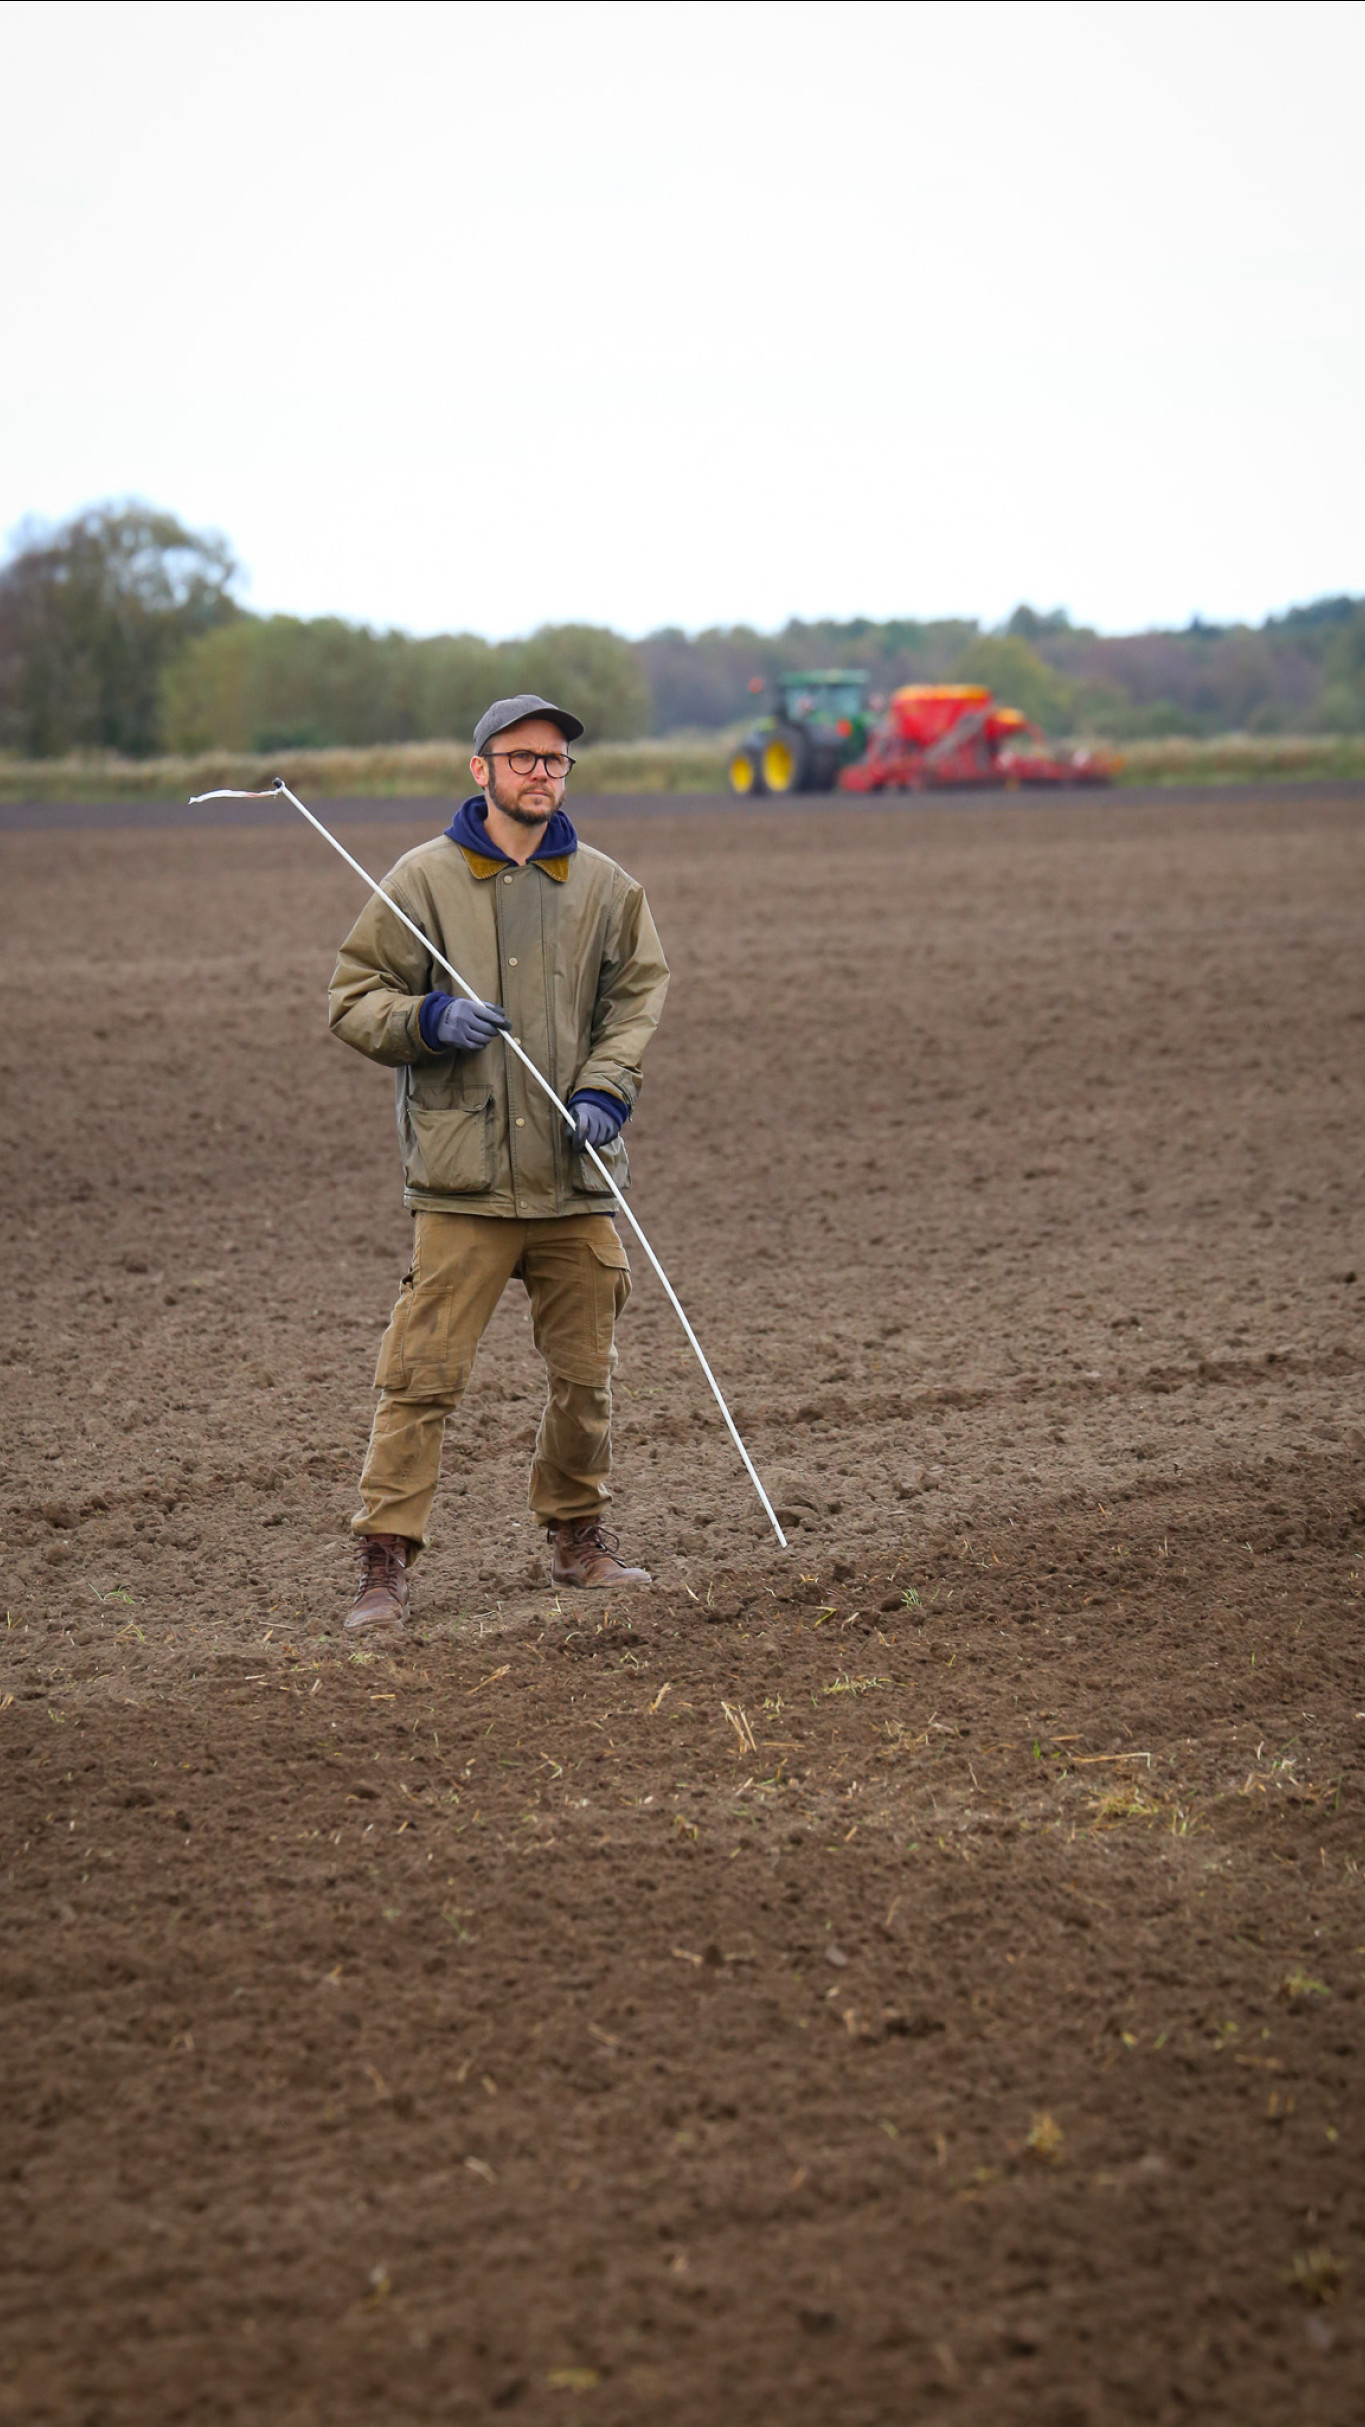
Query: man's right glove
466,1027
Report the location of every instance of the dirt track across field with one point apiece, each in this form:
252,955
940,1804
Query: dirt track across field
917,1979
262,809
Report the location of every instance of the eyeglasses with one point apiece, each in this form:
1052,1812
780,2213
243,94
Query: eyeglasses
525,762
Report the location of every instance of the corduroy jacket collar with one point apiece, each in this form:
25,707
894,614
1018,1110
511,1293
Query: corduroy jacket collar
469,828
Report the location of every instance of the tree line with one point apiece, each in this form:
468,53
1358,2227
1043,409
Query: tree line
119,631
1303,672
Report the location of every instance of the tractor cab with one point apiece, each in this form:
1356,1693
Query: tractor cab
820,726
831,700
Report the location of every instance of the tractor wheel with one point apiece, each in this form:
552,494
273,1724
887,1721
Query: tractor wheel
822,771
746,776
783,763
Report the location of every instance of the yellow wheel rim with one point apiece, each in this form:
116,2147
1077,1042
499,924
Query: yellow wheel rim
741,772
779,767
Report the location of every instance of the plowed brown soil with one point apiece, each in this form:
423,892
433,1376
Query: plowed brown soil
916,1979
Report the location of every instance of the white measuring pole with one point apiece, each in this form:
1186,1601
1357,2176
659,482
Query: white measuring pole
280,789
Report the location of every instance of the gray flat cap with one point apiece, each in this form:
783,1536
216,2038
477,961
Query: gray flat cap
505,712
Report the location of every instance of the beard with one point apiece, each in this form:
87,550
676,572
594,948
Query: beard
513,809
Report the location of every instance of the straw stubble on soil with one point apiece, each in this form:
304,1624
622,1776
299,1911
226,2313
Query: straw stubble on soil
918,1978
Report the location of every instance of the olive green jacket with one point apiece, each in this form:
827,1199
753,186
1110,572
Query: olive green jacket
568,947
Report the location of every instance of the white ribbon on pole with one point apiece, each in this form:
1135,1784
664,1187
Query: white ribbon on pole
280,789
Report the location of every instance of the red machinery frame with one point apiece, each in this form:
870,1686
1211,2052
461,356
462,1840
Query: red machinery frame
937,736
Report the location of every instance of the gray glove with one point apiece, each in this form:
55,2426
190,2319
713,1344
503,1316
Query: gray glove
595,1127
466,1027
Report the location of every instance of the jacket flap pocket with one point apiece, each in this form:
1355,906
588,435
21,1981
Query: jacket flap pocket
451,1150
587,1180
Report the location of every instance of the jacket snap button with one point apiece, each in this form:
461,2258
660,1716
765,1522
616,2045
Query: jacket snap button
513,962
520,1123
507,880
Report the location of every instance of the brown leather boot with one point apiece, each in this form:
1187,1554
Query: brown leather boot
382,1596
583,1555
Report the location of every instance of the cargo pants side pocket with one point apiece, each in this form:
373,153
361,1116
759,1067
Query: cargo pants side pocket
579,1283
414,1354
391,1370
614,1287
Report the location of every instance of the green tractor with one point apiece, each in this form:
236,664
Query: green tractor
820,725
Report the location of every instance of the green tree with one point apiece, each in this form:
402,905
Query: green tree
277,682
456,676
1027,624
282,682
1343,689
91,615
582,667
1018,677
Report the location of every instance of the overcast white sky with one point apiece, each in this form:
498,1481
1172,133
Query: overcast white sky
483,316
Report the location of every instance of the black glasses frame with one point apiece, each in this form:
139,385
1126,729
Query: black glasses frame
538,758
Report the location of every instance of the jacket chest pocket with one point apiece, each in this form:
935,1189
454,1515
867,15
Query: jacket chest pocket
450,1148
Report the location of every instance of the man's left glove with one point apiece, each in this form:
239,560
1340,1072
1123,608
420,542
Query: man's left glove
596,1126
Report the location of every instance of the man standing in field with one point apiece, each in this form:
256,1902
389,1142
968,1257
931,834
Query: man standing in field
560,941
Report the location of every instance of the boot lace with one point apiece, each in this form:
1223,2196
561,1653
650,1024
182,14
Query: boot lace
591,1535
381,1563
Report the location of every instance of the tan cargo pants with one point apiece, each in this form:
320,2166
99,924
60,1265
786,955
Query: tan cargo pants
577,1276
